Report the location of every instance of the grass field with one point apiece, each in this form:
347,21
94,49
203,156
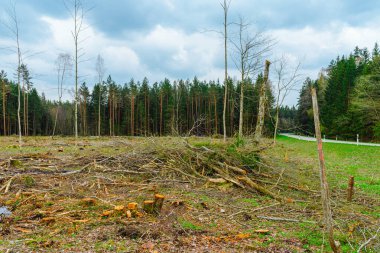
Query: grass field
51,182
342,161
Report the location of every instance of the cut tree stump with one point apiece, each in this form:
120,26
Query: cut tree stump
158,203
350,190
132,206
149,206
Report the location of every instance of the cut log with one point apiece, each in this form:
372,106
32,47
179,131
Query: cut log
158,202
259,188
217,180
149,206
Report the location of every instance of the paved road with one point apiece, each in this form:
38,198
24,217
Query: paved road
304,138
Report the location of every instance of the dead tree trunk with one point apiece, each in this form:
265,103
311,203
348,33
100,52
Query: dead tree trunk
262,102
324,185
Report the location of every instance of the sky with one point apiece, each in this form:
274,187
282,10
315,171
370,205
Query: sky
178,39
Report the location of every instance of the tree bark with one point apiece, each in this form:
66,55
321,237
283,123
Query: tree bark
262,103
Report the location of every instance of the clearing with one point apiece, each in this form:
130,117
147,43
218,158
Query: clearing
219,197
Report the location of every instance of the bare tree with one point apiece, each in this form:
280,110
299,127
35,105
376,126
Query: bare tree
63,66
76,10
12,25
286,80
250,47
100,70
225,6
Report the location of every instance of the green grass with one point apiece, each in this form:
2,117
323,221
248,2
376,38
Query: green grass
186,224
342,161
251,201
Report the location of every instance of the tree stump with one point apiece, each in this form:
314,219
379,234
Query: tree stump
132,206
149,206
350,190
158,203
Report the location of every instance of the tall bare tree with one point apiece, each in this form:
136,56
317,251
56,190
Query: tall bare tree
225,6
100,70
286,80
76,10
12,25
250,47
63,67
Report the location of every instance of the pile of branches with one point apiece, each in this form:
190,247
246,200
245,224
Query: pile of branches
154,162
206,165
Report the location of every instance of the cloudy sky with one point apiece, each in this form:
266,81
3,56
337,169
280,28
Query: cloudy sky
173,38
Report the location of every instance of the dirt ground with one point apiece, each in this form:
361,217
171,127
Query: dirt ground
68,196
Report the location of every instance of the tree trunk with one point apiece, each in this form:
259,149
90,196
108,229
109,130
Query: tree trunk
27,110
262,103
132,115
327,214
215,115
277,117
24,108
76,83
110,110
85,116
99,122
56,118
19,93
241,107
161,114
4,109
225,8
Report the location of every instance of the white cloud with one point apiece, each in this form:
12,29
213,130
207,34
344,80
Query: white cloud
178,53
120,59
315,48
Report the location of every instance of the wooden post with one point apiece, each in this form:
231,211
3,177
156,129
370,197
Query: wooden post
335,246
350,189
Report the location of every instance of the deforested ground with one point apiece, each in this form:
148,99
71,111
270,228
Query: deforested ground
62,195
